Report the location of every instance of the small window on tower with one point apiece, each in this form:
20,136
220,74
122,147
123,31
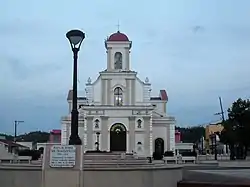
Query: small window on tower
97,124
118,60
139,123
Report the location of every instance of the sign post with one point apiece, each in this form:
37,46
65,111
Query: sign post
62,156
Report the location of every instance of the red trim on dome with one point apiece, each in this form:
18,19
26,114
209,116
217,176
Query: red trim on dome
118,37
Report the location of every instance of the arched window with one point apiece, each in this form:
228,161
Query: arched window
118,60
118,96
97,123
139,123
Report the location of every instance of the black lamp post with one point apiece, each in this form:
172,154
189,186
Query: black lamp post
75,38
98,140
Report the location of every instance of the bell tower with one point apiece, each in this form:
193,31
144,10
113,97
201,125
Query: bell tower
118,52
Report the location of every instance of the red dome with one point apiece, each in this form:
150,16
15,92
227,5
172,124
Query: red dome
118,37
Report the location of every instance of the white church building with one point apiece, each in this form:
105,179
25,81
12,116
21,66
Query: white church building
118,112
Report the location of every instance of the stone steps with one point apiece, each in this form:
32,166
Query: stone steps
90,157
115,161
110,156
116,165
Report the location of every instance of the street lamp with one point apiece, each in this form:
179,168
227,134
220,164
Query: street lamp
98,140
15,129
75,38
202,145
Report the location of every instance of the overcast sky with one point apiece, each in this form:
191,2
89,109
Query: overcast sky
195,49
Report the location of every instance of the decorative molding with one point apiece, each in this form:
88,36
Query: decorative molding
123,107
104,117
146,118
96,112
141,112
89,117
131,118
140,131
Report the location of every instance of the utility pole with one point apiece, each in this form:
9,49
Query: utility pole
221,110
16,123
221,113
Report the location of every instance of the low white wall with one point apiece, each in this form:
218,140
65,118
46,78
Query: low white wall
19,176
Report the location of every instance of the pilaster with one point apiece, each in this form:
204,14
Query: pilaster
89,122
104,133
147,131
133,92
128,92
131,134
104,91
108,91
167,144
81,129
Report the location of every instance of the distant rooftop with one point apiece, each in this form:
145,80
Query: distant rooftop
56,131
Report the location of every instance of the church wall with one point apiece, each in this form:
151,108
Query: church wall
118,81
81,130
139,92
104,133
70,106
97,92
118,113
147,133
146,93
159,106
89,124
131,133
139,138
133,91
172,137
64,132
160,132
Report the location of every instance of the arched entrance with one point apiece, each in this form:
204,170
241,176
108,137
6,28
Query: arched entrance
159,145
118,138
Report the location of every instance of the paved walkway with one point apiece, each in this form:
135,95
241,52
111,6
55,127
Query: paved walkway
241,173
234,164
217,176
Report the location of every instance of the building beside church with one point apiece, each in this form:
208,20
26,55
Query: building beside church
118,112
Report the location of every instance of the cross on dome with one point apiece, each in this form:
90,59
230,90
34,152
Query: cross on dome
118,27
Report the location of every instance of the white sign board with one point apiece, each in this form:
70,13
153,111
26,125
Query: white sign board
63,156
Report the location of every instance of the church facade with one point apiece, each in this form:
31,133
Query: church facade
118,112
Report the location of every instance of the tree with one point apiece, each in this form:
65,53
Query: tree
237,127
191,134
36,137
229,137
